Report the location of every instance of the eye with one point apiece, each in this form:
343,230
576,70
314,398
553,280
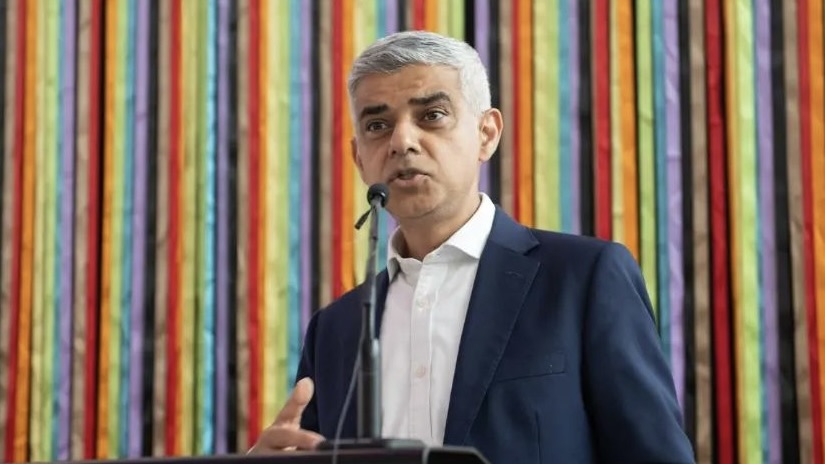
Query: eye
434,115
375,126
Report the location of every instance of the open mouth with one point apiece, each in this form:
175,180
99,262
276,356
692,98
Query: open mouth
409,178
407,174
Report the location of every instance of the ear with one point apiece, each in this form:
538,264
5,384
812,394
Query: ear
490,126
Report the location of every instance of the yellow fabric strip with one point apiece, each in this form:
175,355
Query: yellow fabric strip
441,14
8,201
546,96
190,84
731,68
119,36
51,154
748,304
38,333
647,184
817,70
159,413
456,20
616,173
244,272
364,35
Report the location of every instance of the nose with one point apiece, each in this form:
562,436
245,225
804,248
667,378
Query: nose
405,139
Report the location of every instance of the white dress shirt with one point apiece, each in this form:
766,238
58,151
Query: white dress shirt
421,328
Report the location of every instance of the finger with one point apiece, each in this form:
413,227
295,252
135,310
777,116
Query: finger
297,402
279,438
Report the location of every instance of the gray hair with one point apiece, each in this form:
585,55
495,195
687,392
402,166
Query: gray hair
401,49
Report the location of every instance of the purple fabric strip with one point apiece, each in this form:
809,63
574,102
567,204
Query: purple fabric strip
69,32
222,292
482,34
391,20
392,27
141,41
673,144
766,213
575,144
306,162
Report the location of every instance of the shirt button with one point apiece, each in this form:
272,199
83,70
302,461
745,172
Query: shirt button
420,371
422,304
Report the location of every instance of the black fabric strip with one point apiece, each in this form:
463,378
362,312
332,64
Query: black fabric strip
151,227
495,96
232,239
585,121
402,15
689,409
784,293
469,22
315,232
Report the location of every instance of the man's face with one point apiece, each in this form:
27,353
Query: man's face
415,132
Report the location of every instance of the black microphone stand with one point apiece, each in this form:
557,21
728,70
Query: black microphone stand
369,372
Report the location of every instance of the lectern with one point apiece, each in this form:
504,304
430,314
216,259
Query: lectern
423,455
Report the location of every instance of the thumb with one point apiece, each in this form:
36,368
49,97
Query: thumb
297,402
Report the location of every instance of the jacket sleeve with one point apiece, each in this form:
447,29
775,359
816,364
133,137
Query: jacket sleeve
306,368
628,384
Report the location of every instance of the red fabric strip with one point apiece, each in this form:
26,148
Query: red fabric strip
807,206
17,166
172,439
337,149
719,231
601,110
93,244
419,14
254,419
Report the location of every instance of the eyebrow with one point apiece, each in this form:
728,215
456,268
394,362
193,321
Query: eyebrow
417,101
429,99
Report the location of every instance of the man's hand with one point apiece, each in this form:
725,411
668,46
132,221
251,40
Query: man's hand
285,434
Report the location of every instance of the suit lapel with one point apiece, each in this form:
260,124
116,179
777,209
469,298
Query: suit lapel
503,279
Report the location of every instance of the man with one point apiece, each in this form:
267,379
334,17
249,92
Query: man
530,346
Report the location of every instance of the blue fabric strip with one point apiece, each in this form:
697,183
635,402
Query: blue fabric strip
295,149
661,174
128,193
207,438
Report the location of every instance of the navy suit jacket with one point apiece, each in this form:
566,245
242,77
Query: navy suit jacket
559,360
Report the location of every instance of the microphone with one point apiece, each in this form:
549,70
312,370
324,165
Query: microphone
368,363
369,375
377,193
367,371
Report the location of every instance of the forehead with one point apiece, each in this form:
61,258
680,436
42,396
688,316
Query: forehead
410,82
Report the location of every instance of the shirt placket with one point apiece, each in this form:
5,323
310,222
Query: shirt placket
420,350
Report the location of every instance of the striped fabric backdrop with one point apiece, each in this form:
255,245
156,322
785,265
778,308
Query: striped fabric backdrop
178,198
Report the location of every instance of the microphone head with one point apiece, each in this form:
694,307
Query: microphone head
378,192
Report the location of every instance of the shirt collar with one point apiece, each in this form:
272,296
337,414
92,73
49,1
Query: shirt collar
470,239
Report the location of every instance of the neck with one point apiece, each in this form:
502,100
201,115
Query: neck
424,236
